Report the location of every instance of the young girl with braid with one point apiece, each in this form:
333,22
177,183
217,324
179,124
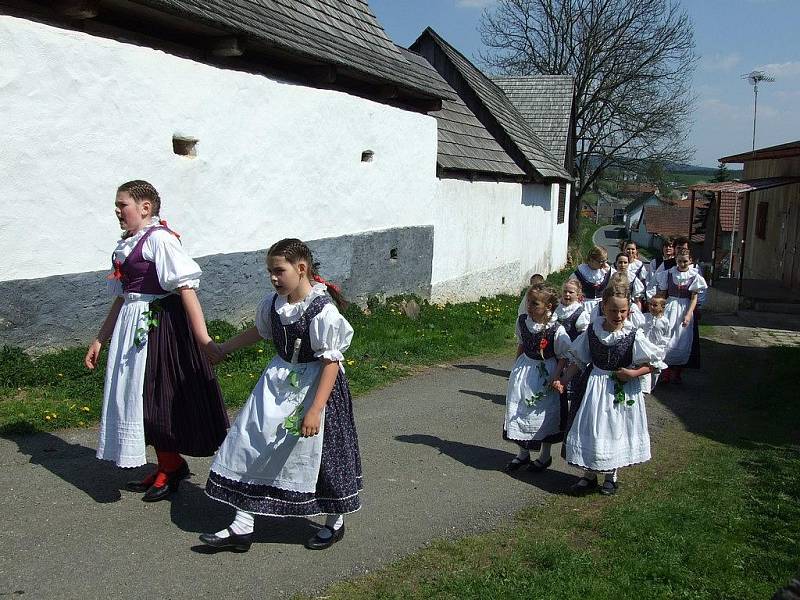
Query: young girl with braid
159,387
293,450
536,414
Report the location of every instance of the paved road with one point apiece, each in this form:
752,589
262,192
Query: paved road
431,447
609,237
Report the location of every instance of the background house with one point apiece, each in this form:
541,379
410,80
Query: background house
254,123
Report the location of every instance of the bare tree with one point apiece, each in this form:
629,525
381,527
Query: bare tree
632,61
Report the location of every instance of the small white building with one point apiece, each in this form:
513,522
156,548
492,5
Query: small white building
254,124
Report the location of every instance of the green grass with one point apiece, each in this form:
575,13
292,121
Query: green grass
714,515
57,391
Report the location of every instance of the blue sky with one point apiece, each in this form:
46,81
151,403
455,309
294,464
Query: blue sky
732,37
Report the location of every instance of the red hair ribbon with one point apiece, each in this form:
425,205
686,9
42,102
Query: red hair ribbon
333,286
163,223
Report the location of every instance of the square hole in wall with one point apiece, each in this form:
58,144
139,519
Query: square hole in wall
184,146
367,156
502,221
393,254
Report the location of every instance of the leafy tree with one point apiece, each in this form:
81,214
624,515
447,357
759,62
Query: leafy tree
632,62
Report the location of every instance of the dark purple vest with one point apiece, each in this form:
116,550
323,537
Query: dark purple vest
611,358
531,341
139,276
592,290
675,290
570,323
283,336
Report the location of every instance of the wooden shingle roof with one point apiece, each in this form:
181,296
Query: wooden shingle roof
464,143
546,103
343,33
492,107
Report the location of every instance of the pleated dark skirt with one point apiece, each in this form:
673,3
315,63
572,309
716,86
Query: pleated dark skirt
183,407
339,481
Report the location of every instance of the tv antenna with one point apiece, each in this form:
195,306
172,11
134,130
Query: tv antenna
754,78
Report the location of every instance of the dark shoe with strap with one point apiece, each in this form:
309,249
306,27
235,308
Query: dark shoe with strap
143,485
155,493
235,541
318,543
538,466
609,488
583,486
515,463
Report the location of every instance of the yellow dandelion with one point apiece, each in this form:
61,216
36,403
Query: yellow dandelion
60,374
384,367
47,417
85,408
260,350
81,423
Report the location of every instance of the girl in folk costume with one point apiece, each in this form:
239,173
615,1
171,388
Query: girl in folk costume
682,285
636,286
657,266
610,428
637,270
535,412
620,282
656,328
293,450
593,276
574,319
159,387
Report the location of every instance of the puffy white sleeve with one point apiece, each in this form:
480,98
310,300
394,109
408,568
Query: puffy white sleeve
636,316
330,334
263,320
114,288
174,266
699,284
561,343
646,352
638,288
582,322
579,349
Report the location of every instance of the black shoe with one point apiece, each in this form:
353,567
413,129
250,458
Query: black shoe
538,466
234,541
318,543
515,464
609,488
583,486
157,493
142,485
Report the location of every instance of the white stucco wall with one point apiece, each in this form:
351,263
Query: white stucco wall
477,254
82,114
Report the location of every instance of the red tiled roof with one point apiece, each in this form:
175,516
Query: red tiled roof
731,203
666,220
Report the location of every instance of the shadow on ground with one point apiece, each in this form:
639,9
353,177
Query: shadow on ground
491,459
76,464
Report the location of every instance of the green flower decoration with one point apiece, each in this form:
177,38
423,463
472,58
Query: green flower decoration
619,392
294,379
149,321
292,423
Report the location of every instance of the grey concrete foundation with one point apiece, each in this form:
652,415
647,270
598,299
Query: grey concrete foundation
67,310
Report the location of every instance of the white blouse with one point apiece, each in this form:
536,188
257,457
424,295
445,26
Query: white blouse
699,284
174,267
657,329
561,341
644,351
329,331
594,276
633,268
565,312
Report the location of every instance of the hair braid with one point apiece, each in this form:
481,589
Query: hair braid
140,191
294,251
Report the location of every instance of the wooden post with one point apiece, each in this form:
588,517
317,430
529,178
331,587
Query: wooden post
744,245
691,217
717,228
